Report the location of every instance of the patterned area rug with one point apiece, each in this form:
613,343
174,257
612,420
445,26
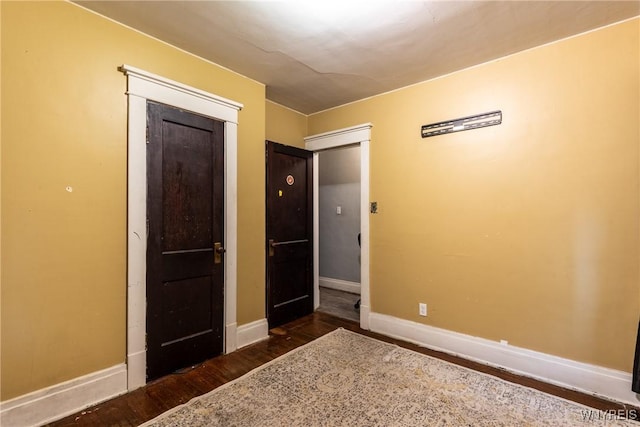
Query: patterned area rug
346,379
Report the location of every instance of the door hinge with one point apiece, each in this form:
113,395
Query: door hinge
147,134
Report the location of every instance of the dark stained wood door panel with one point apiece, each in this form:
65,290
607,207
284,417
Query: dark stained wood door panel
289,233
185,194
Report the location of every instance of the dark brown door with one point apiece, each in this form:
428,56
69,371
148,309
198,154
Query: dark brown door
185,276
289,233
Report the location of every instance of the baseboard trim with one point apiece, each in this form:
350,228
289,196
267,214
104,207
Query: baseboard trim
365,317
137,370
58,401
596,380
253,332
230,338
341,285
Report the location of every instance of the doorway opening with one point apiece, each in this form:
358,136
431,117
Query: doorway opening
356,136
339,231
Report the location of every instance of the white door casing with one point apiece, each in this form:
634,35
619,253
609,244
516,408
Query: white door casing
359,135
141,87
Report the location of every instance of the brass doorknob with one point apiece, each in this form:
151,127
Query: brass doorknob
218,251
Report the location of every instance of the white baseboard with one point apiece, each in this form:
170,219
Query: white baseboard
230,338
341,285
250,333
136,370
604,382
365,319
58,401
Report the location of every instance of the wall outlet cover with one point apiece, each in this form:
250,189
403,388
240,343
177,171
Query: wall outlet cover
422,307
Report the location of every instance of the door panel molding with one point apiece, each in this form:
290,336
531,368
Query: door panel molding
359,135
289,226
185,213
143,86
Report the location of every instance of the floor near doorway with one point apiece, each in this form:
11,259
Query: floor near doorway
339,303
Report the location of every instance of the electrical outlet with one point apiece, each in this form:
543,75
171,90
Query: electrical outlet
422,309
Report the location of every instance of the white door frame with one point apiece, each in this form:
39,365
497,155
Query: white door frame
141,87
359,135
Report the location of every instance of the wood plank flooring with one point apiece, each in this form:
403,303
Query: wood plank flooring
339,303
147,402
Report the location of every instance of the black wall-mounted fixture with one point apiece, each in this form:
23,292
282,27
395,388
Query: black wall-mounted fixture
465,123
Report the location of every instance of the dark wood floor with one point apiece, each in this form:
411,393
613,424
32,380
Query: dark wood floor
146,403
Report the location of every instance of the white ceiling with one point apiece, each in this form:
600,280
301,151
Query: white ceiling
314,55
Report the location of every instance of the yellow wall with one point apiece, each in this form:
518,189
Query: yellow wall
64,112
284,125
527,231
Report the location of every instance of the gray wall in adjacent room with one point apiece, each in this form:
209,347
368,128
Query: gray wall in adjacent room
339,185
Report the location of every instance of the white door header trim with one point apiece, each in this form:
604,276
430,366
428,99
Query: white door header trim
153,87
339,138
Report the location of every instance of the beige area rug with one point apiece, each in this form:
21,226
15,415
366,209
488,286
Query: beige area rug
346,379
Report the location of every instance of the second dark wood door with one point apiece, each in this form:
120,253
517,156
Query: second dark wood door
289,233
185,276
